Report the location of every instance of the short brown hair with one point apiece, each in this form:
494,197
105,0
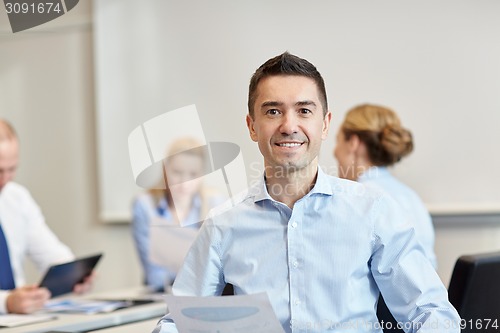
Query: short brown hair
286,64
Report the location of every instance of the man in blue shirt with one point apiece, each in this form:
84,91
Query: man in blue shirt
323,248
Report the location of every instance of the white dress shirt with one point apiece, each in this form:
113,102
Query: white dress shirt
27,234
322,263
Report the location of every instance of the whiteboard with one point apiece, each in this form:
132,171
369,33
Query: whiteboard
437,63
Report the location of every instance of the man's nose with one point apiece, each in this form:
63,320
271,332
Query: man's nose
289,124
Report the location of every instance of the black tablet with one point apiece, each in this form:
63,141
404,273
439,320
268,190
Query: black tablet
61,279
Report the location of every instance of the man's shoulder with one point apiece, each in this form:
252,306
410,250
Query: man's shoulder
234,203
16,198
15,190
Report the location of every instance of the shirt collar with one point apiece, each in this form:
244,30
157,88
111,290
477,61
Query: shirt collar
322,186
373,172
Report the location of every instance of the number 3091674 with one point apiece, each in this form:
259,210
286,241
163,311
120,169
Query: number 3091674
32,8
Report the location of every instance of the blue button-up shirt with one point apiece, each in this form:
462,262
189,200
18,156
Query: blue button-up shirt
322,263
144,211
409,201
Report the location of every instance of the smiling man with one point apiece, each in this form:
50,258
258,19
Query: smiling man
288,121
322,248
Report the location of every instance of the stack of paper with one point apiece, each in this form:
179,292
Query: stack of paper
13,320
84,306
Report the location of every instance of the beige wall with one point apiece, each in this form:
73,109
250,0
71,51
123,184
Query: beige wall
459,235
47,91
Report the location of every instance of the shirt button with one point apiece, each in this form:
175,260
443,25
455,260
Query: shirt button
295,264
297,302
294,225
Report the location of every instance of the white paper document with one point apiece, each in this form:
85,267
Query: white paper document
223,314
84,306
169,244
13,320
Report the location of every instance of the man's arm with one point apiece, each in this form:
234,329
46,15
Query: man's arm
27,299
406,278
31,236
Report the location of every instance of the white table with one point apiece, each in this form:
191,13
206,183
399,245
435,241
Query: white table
151,312
145,326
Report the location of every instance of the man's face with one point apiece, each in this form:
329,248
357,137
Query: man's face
9,157
288,122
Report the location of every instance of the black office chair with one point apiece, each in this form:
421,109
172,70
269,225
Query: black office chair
474,291
228,290
386,319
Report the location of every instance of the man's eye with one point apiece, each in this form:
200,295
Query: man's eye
272,112
305,111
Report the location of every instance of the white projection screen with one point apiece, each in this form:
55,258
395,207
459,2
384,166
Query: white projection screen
437,63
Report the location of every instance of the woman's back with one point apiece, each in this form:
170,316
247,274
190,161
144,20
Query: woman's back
409,201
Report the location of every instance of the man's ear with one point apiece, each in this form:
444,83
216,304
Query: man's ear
326,125
251,130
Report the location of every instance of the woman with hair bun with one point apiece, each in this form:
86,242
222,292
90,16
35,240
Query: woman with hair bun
370,139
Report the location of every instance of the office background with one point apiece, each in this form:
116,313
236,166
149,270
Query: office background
49,91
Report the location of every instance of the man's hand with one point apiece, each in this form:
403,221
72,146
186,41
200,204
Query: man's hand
27,299
86,285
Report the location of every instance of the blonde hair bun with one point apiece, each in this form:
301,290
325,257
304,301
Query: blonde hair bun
396,141
379,128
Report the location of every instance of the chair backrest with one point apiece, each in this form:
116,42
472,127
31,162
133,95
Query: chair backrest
387,321
228,290
474,291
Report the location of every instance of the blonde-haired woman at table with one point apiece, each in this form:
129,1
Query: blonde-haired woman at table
184,202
